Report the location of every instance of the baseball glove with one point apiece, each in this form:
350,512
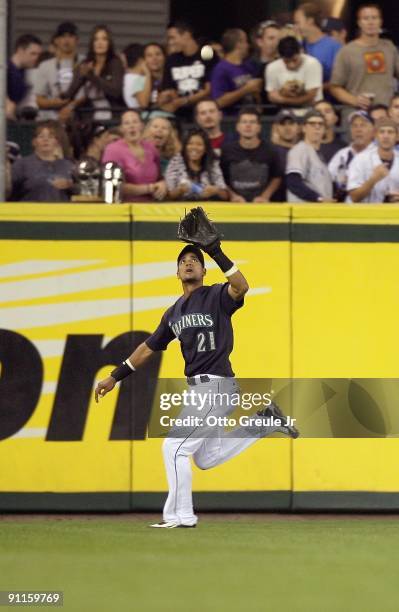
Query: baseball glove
197,229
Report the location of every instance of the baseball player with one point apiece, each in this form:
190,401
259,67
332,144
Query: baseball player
201,320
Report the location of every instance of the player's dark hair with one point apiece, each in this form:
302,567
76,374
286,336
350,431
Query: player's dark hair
230,39
133,53
208,159
191,248
311,10
91,56
181,26
368,6
249,110
288,47
25,40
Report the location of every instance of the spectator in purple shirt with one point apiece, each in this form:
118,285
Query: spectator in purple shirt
233,81
26,55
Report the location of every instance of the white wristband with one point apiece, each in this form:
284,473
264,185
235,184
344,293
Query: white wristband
232,270
127,361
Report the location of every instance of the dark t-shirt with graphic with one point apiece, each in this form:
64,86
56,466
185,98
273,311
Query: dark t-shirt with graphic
249,171
202,323
188,75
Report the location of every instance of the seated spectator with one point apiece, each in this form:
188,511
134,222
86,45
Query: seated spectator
154,56
209,117
308,19
186,78
336,29
235,81
137,79
378,111
362,139
139,160
250,167
25,56
331,142
54,76
373,175
308,179
162,134
295,79
195,174
285,134
43,176
364,68
101,77
100,138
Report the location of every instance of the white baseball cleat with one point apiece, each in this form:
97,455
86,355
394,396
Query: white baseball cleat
170,525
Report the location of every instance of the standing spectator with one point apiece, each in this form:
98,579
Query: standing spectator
250,167
378,111
336,29
331,142
308,179
285,135
362,139
25,56
186,77
394,109
154,56
137,79
54,76
195,174
308,19
43,176
267,37
235,80
364,69
374,174
173,38
295,79
101,76
162,134
209,117
139,160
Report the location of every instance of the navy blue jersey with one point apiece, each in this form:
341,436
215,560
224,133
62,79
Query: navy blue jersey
202,323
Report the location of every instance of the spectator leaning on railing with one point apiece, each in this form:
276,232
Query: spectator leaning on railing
374,174
250,167
139,160
364,68
209,117
43,176
308,179
295,79
362,139
235,80
285,135
195,174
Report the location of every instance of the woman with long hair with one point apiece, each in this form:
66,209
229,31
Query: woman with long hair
98,80
195,174
161,132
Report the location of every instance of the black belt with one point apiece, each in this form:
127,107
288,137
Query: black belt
203,379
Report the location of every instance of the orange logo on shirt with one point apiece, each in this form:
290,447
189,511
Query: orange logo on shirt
375,62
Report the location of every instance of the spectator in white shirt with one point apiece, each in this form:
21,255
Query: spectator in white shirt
137,79
296,79
374,175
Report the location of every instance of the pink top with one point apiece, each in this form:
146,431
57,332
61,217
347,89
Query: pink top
136,172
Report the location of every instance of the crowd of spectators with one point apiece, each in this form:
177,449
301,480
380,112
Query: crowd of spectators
184,124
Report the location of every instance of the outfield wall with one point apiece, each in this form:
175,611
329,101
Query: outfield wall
80,285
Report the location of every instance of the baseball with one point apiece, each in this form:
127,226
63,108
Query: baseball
207,52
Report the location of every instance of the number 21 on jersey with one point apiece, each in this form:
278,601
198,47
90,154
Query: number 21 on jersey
205,341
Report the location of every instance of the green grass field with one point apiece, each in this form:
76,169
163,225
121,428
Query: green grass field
245,563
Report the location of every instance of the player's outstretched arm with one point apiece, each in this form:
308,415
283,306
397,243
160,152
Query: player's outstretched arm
139,356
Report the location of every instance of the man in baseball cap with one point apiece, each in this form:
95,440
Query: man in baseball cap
285,134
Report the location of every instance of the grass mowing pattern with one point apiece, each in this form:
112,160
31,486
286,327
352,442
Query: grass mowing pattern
251,564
